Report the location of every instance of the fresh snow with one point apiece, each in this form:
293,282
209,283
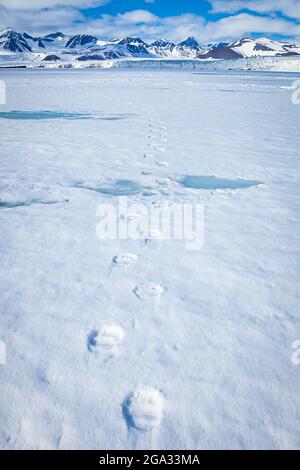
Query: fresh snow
142,344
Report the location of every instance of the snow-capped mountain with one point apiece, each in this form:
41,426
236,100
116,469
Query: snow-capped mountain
162,48
83,47
80,40
52,41
13,41
246,47
136,46
116,49
37,41
54,36
263,47
219,51
105,52
189,48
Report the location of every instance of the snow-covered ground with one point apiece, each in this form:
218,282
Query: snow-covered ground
127,344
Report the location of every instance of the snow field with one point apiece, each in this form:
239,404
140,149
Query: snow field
127,344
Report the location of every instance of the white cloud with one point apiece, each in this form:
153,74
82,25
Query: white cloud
177,28
290,8
36,22
42,4
137,17
143,23
146,25
245,24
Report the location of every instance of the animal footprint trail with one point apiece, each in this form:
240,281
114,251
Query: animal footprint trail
149,291
143,410
162,164
152,235
129,216
106,340
157,135
123,261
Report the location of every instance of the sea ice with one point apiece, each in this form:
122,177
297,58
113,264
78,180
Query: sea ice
215,348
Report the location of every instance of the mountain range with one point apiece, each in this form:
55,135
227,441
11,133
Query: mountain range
57,47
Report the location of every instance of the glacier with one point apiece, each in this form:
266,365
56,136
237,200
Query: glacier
273,64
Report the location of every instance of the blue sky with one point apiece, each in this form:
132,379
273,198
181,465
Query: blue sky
207,20
162,8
